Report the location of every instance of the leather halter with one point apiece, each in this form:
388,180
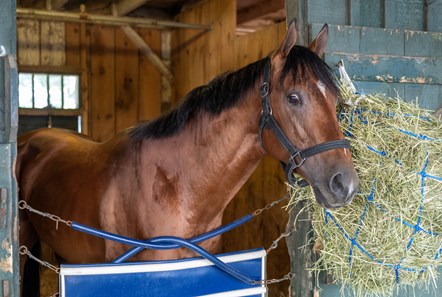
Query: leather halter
297,157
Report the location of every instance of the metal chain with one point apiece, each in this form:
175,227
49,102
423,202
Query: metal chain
24,251
274,245
23,205
288,276
287,233
270,205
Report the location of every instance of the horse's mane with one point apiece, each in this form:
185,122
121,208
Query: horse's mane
225,91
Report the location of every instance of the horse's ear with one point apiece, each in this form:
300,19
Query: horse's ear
289,40
320,42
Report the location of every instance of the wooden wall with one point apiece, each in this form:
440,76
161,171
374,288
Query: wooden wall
392,47
199,56
120,87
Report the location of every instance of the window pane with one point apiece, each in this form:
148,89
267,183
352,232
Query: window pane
70,91
55,100
40,91
25,90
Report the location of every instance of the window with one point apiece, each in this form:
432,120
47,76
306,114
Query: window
49,100
42,90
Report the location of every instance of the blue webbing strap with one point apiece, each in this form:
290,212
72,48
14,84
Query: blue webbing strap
165,242
194,240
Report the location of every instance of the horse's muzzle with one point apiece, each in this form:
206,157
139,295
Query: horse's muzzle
339,191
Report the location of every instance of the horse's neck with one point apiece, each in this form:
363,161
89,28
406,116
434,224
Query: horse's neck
208,162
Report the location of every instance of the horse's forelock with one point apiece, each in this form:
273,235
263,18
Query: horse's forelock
301,62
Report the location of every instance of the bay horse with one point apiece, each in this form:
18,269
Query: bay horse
176,174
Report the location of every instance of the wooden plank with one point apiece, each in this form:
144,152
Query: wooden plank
58,4
167,86
374,87
428,96
341,38
126,81
423,44
381,41
52,43
331,11
84,96
264,42
28,39
149,86
298,9
367,13
102,83
401,14
206,54
126,6
434,21
390,68
73,45
258,9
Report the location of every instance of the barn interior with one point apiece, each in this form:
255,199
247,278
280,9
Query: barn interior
129,61
117,63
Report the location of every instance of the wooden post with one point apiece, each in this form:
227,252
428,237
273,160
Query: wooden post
298,9
9,268
297,243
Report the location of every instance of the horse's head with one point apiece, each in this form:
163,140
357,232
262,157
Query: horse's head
299,125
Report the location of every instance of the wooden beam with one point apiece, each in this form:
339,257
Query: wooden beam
258,9
102,19
123,7
145,49
58,4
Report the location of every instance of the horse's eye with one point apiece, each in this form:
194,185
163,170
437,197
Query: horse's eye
294,99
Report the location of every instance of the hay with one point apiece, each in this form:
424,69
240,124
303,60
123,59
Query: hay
373,246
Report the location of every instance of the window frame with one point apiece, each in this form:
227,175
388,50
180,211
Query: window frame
79,112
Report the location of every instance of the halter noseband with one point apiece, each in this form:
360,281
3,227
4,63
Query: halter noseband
297,157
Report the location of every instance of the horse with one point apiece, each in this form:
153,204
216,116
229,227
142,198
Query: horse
176,174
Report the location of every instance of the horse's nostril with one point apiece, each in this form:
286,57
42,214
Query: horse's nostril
336,185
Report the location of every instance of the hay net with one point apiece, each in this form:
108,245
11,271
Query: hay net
391,234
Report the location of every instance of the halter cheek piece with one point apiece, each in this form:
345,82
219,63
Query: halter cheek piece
297,157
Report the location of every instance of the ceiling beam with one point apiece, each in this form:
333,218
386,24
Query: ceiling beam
258,9
123,7
88,18
58,4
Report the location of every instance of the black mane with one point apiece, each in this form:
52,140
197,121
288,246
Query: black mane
225,90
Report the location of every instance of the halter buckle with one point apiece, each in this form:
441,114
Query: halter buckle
264,89
294,162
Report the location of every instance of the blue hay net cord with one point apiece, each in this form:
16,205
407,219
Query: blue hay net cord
370,200
172,242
